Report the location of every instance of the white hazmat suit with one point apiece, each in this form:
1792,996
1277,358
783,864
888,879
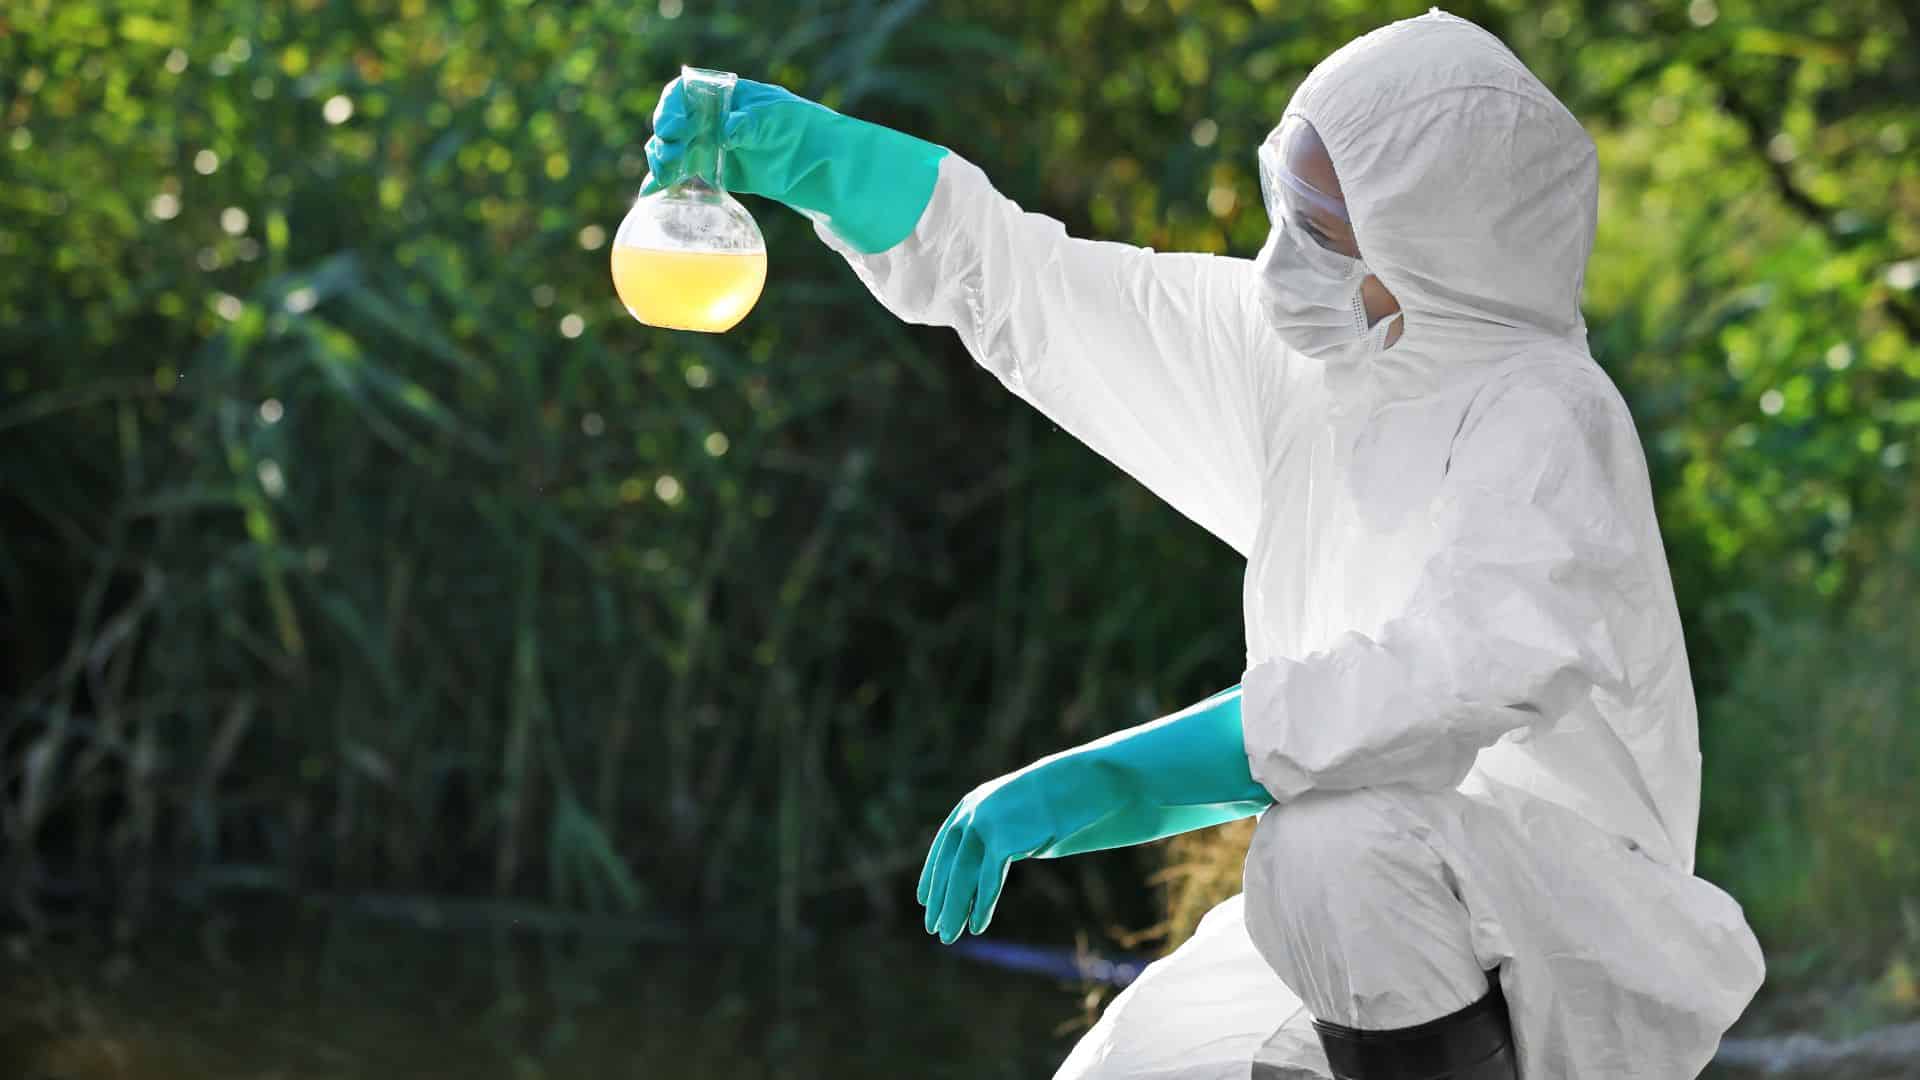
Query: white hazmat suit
1466,686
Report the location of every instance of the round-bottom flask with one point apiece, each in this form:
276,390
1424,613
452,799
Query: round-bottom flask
690,257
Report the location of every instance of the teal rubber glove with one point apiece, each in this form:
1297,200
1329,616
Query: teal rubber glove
1179,773
867,183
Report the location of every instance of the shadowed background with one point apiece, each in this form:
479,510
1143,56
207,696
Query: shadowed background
360,549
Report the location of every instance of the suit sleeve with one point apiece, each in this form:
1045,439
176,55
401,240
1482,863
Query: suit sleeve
1162,363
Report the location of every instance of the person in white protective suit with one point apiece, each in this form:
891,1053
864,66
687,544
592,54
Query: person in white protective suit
1466,691
1466,683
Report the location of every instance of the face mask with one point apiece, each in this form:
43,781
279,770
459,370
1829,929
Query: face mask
1312,294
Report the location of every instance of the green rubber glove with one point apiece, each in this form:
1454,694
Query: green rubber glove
1179,773
867,183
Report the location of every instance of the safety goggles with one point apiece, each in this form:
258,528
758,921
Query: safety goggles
1291,197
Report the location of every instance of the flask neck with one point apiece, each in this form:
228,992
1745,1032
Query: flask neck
709,96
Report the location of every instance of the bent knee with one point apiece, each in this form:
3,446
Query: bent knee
1339,848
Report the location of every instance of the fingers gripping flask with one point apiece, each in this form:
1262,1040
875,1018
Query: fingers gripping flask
690,257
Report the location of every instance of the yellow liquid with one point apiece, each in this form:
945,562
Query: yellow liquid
688,290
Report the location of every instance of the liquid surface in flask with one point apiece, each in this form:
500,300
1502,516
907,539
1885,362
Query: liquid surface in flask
709,291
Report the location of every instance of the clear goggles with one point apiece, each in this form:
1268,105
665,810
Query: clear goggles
1288,194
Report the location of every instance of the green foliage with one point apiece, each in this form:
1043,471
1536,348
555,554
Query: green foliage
357,535
371,542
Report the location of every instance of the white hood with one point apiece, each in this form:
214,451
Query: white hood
1473,191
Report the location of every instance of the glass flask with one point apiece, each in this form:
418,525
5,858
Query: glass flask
690,257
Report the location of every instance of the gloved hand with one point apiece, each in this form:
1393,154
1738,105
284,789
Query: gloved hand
867,183
1179,773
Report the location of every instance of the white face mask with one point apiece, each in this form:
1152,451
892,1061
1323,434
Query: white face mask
1313,295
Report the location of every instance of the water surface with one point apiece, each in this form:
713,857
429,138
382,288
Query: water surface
310,996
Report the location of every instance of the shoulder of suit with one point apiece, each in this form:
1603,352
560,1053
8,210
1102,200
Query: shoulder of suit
1554,396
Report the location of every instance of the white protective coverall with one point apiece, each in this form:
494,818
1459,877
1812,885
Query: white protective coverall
1466,684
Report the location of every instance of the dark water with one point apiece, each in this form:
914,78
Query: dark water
325,995
302,997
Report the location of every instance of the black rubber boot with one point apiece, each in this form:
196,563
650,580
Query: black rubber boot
1475,1043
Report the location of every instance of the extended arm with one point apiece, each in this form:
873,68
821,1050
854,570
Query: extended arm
1181,772
1161,362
